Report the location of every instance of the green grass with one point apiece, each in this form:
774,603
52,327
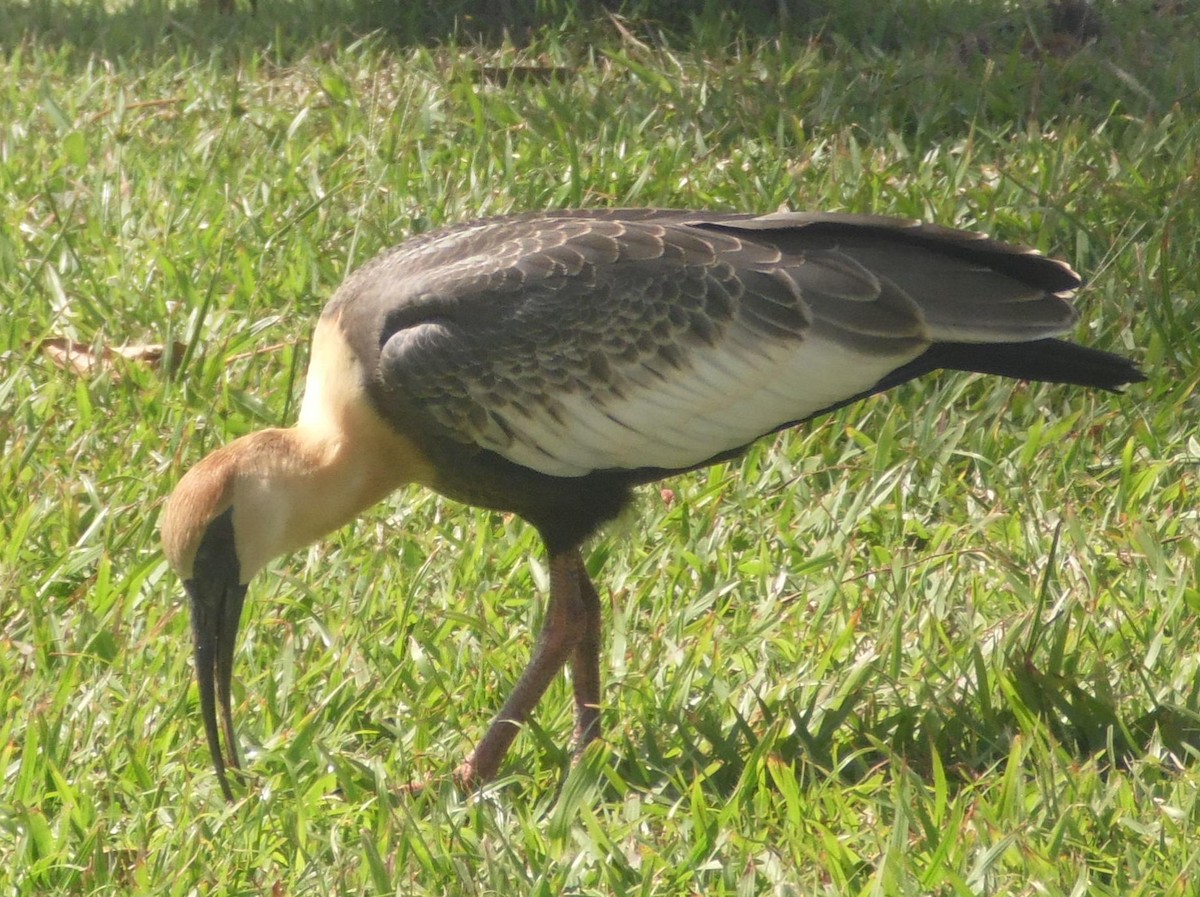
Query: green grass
942,642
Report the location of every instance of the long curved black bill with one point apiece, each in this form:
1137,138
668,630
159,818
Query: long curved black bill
217,598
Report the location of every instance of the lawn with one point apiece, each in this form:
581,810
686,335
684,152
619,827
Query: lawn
943,641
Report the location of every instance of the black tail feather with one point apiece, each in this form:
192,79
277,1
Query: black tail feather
1049,360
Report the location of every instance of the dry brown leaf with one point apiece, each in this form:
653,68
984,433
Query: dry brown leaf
87,360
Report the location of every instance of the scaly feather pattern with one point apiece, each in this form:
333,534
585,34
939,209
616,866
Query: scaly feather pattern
586,341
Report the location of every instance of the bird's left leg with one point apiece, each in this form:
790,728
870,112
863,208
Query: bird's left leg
565,627
585,664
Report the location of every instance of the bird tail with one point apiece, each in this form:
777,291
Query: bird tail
1048,360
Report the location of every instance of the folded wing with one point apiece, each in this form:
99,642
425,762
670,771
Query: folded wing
596,341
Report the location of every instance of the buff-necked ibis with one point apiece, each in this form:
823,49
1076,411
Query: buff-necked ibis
547,364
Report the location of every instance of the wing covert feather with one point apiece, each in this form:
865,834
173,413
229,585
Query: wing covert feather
580,342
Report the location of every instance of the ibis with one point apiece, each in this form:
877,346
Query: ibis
548,364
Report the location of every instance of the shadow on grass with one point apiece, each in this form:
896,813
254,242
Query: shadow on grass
153,31
968,736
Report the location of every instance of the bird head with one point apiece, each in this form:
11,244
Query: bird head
230,515
260,497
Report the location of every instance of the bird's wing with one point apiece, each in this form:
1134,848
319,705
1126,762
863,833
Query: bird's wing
571,344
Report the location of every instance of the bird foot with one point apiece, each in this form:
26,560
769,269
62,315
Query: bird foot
465,779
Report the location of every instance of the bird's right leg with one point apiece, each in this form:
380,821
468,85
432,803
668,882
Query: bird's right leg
565,628
585,665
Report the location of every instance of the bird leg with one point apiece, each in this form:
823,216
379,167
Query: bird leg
585,666
570,632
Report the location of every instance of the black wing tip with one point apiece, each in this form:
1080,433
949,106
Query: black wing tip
1043,360
1128,375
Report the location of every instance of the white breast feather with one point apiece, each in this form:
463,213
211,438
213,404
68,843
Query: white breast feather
727,396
